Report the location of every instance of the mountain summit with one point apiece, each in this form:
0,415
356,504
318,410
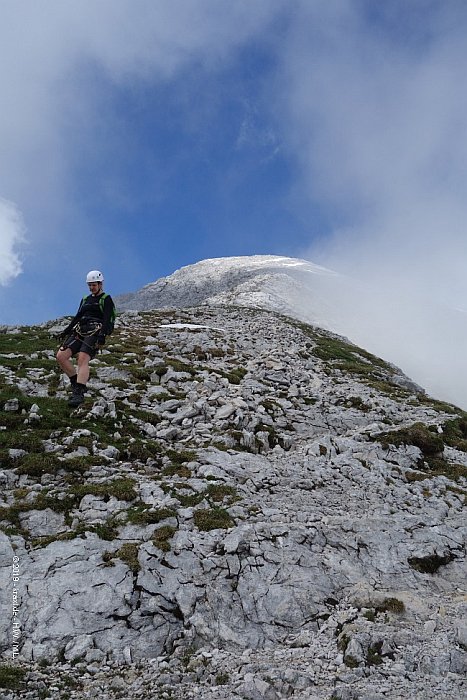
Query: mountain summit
290,286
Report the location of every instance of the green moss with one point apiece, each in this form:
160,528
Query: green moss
221,492
413,476
455,433
180,470
440,406
236,375
181,456
188,500
11,677
119,383
128,553
121,489
429,442
337,354
24,440
62,537
393,605
141,515
351,661
12,513
59,502
161,537
222,678
273,438
179,366
207,353
179,460
358,403
146,416
105,531
431,563
139,450
370,615
346,356
374,657
271,406
36,465
212,519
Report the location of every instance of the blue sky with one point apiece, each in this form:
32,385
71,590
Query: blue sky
140,136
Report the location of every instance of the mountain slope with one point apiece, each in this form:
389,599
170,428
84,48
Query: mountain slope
423,336
245,506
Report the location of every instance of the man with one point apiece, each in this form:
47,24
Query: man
85,334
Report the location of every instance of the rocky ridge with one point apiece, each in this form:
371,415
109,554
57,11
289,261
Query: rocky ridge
245,507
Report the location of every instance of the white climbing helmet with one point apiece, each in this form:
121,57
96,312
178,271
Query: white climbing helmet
94,276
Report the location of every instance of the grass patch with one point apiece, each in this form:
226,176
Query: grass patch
358,403
181,457
139,450
11,677
212,519
441,467
273,438
220,493
431,563
429,442
455,433
122,489
128,553
141,374
222,679
393,605
141,515
338,354
161,537
35,465
178,463
235,376
374,656
179,366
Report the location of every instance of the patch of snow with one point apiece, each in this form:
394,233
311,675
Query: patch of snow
190,326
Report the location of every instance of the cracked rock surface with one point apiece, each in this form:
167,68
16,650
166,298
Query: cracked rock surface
244,507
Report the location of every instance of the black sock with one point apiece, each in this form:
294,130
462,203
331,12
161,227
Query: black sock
73,379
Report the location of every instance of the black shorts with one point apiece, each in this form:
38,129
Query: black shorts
77,343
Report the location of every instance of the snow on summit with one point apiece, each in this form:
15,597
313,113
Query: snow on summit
286,285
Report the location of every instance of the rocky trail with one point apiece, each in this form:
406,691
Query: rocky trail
244,507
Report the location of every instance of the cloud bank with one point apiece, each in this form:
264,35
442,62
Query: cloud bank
58,69
11,237
376,108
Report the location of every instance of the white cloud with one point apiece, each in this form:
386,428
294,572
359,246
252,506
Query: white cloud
376,116
57,64
11,236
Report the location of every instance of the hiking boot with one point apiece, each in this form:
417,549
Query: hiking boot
77,398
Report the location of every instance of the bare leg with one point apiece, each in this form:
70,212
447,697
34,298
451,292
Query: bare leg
64,360
83,367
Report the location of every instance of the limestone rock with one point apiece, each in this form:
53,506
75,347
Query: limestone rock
255,524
